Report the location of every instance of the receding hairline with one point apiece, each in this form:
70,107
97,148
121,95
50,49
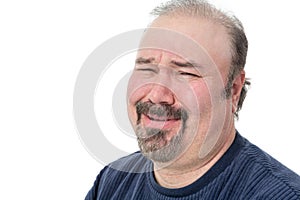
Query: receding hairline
192,8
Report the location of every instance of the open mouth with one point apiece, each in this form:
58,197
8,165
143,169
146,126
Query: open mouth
160,116
157,122
157,118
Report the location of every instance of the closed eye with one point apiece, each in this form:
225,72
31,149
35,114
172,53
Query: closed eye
145,69
189,74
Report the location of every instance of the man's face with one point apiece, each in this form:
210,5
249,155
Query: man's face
175,100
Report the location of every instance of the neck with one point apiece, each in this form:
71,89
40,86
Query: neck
178,174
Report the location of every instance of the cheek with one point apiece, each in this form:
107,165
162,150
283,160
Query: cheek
203,95
194,96
137,89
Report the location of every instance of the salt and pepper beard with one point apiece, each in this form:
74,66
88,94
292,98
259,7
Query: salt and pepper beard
169,150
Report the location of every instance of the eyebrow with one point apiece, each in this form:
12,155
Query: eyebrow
186,64
142,60
191,64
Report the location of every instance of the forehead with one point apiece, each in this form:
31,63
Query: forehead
211,38
157,54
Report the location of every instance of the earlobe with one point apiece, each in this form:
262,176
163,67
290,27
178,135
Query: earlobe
237,86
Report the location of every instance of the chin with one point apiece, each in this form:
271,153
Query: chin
160,150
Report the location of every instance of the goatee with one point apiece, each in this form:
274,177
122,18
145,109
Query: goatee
153,142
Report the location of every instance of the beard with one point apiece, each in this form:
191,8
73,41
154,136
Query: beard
153,142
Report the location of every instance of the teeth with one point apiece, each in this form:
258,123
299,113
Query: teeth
160,120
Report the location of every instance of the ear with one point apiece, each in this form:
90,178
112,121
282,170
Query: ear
236,89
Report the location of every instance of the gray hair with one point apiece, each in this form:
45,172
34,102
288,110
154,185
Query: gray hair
235,30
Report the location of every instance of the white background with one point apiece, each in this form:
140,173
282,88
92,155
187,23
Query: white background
42,47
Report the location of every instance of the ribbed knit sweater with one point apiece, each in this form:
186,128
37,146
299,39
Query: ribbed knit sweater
244,172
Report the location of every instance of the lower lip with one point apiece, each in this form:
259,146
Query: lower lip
163,125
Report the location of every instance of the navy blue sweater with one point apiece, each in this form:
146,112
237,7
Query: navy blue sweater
244,172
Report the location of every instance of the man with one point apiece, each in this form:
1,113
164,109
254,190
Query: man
187,87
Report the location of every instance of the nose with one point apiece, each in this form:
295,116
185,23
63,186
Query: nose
160,94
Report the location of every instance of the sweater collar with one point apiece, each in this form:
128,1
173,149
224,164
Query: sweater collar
208,177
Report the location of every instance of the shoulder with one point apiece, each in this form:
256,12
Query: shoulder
267,176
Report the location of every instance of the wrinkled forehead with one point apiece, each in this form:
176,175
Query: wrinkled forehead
159,56
157,53
159,43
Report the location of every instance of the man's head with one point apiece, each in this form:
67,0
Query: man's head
234,29
182,99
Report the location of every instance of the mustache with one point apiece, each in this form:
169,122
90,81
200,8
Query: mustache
160,110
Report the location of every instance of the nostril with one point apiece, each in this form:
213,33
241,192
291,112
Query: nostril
161,95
